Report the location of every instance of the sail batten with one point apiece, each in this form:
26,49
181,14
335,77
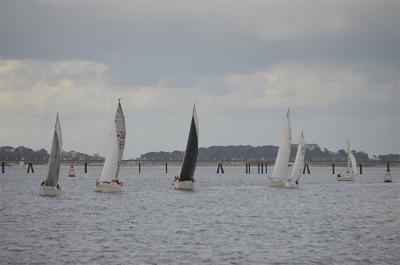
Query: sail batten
55,156
192,146
282,158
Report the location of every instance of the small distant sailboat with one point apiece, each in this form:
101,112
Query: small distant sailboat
293,181
388,175
49,186
71,172
282,159
351,166
186,180
108,180
21,162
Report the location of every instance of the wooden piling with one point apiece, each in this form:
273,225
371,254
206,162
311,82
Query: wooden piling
2,167
262,168
166,168
360,169
387,167
333,169
140,170
86,164
258,168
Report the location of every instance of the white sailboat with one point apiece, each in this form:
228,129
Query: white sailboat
49,186
186,180
293,181
108,181
351,166
282,159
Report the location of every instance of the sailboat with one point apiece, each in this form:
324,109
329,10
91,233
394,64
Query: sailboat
282,159
108,181
186,180
351,166
49,186
388,175
293,181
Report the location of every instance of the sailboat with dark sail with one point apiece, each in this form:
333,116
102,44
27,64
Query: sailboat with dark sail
108,181
49,186
186,180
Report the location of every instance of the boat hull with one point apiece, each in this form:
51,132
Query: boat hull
291,185
345,178
48,191
184,185
108,187
273,182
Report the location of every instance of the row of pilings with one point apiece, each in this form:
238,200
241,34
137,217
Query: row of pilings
262,168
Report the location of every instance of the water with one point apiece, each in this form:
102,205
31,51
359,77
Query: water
231,219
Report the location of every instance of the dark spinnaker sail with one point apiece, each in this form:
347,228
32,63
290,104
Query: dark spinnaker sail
190,159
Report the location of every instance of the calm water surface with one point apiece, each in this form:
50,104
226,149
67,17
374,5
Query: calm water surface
232,218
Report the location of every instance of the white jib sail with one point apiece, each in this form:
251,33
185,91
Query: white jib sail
111,164
282,159
121,130
299,161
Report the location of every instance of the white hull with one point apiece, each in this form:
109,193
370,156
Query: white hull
184,185
273,182
291,185
108,187
48,191
345,178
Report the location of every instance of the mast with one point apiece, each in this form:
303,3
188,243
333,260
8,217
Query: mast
192,146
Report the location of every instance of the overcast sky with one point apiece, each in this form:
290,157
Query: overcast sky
335,64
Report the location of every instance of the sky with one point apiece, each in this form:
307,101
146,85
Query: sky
335,64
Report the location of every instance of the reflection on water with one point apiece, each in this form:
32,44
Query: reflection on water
232,218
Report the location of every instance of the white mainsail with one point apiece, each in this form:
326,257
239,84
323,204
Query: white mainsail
282,159
115,148
299,161
55,156
351,161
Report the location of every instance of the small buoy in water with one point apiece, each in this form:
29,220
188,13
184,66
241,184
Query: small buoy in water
71,171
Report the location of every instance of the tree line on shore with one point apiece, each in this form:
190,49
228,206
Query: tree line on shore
213,153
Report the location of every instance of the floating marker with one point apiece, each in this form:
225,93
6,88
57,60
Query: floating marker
360,169
86,167
333,169
2,167
71,172
166,168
